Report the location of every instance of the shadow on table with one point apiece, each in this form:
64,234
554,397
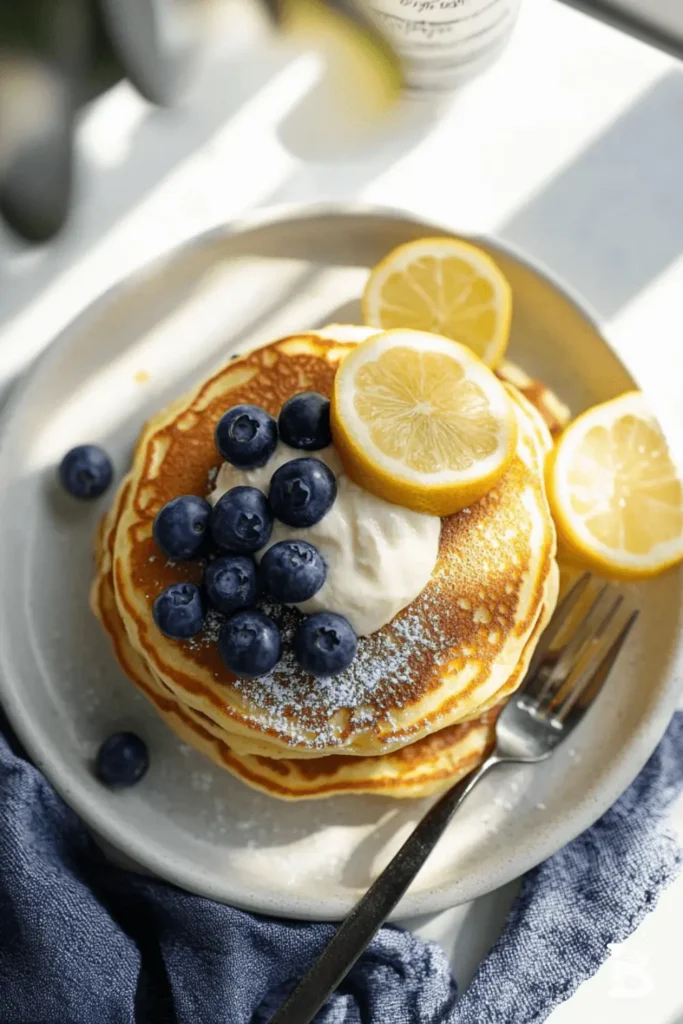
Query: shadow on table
117,174
342,168
112,185
612,220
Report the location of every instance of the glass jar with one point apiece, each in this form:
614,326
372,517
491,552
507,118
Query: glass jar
446,42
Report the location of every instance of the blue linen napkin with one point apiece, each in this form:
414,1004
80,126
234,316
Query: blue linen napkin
83,942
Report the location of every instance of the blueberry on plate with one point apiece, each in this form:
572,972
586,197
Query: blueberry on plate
293,571
179,611
250,644
181,526
304,421
86,471
230,583
246,436
325,644
302,491
241,520
122,760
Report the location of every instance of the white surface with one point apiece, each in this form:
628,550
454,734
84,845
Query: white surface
570,146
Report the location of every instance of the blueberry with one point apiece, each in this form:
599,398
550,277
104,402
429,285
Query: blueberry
179,611
325,644
250,644
230,583
246,436
180,526
86,471
122,759
293,571
241,520
304,421
302,491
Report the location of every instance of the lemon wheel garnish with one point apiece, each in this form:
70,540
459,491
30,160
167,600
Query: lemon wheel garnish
615,494
445,286
419,420
361,66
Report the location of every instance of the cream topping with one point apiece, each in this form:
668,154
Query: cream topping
379,556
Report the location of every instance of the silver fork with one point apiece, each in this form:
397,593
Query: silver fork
560,685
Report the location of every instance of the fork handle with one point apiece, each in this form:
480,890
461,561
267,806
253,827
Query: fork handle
370,913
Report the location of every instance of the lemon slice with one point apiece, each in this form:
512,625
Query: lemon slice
446,286
362,69
615,493
419,420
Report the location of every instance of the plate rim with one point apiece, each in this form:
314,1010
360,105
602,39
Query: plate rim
585,812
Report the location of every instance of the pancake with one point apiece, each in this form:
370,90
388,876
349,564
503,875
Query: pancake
419,769
437,662
443,660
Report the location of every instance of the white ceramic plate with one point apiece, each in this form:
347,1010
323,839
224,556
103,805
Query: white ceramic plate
129,354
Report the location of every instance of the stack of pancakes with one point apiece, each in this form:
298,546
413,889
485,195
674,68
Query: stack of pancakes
416,709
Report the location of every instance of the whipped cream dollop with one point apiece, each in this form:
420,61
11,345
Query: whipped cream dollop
379,556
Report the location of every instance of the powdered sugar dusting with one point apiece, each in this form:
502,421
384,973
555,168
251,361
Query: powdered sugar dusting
318,711
401,665
210,633
393,668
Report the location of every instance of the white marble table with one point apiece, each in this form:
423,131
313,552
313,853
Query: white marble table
571,147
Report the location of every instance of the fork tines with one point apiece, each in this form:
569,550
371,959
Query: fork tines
566,677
